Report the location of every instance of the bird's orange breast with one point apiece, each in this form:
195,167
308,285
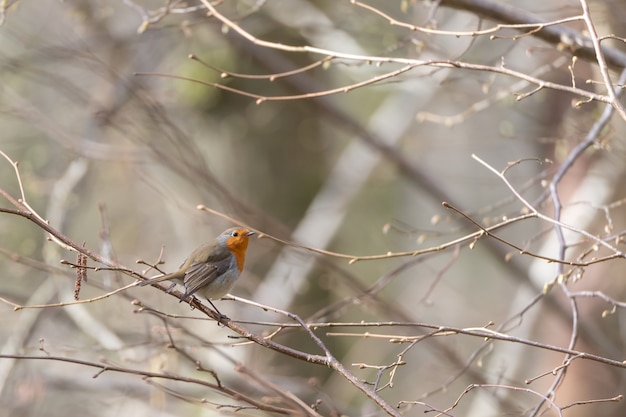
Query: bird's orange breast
238,246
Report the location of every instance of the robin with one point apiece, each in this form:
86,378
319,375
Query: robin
213,268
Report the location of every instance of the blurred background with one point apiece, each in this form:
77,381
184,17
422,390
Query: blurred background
117,146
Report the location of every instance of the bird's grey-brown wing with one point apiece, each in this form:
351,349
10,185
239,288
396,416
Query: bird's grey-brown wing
203,273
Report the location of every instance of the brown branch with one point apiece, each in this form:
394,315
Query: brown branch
533,27
327,360
262,98
271,77
385,59
148,374
27,214
502,12
471,331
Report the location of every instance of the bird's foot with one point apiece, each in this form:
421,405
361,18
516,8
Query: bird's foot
222,318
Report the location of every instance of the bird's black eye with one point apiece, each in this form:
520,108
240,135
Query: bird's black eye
235,234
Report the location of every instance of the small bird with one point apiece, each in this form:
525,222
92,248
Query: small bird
213,268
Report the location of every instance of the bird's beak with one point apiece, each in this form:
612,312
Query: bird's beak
250,233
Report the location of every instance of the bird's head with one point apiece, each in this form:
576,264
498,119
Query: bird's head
236,240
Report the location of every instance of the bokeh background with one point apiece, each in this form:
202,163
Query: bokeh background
120,160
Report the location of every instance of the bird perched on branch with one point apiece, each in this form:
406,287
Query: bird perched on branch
213,268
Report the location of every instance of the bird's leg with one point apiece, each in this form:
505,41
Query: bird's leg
221,316
170,288
194,298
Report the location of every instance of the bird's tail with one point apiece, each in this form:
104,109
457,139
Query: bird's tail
160,278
